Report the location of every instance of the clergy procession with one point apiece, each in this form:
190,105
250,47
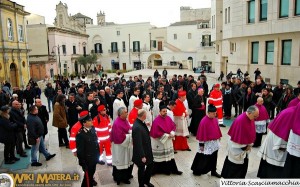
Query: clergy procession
121,123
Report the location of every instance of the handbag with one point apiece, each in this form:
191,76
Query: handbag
31,141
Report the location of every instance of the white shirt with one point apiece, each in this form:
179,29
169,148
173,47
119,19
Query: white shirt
147,108
131,101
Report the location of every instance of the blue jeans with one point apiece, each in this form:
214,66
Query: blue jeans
39,146
49,106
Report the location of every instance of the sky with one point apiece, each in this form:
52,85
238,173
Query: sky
158,12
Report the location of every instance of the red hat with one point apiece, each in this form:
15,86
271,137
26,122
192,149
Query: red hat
181,93
84,116
101,108
217,85
138,102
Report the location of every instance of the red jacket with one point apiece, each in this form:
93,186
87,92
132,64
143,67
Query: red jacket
103,128
132,116
72,140
216,98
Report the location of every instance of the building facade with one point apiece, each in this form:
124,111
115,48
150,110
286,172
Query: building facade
141,45
258,34
13,47
55,49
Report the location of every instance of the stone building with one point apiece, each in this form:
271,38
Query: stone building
258,34
13,46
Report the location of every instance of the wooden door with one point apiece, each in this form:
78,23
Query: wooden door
124,66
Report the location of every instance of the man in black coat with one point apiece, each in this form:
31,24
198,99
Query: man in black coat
50,93
87,150
142,150
7,136
72,109
17,117
43,114
29,95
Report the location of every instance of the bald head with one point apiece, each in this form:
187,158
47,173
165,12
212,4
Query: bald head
16,104
260,101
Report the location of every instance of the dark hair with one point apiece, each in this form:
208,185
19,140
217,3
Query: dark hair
172,103
136,89
72,94
32,108
145,95
60,99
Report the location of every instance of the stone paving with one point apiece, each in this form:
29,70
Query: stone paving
65,162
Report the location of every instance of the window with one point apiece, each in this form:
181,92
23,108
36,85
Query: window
269,52
286,52
175,36
228,21
251,11
153,43
232,47
123,46
98,48
21,35
189,35
254,55
65,68
206,40
284,8
10,30
212,22
263,10
74,49
64,50
297,7
225,15
173,63
114,47
118,33
136,46
84,51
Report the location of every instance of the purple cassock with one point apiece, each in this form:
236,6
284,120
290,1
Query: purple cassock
282,123
242,130
119,130
294,102
208,130
296,120
263,113
162,125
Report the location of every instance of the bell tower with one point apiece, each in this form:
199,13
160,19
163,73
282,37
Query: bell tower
101,18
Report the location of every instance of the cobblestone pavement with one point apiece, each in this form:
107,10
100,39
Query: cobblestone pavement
65,162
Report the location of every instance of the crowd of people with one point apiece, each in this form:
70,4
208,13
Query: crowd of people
146,121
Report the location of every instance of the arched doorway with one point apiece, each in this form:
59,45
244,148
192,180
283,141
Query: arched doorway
154,61
13,75
191,62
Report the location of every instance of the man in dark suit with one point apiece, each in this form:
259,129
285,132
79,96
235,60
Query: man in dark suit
72,109
142,150
43,114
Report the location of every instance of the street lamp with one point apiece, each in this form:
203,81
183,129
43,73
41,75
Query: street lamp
53,53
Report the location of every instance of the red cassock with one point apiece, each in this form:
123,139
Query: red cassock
216,99
132,116
180,142
103,131
72,140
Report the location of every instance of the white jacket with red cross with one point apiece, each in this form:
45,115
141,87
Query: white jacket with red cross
102,126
